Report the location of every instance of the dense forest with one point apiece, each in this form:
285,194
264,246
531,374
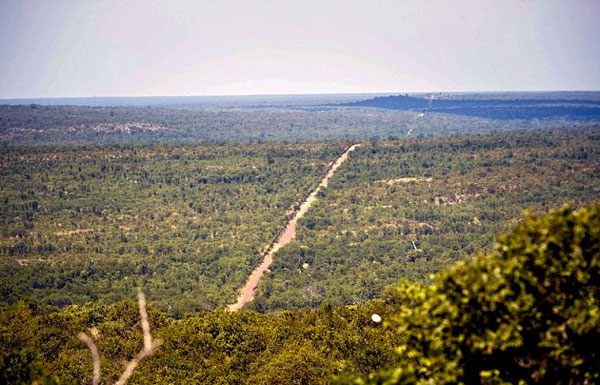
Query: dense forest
189,222
527,312
407,208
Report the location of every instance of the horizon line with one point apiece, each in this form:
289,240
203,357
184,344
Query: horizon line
294,94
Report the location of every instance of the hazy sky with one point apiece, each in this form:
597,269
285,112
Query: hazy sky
127,47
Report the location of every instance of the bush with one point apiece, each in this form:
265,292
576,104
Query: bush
527,313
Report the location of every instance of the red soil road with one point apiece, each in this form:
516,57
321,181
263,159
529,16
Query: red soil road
247,293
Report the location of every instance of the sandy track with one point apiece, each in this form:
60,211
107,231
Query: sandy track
247,292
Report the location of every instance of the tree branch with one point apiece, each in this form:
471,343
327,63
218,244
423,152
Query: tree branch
149,345
148,349
95,356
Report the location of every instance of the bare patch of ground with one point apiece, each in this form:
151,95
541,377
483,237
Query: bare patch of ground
452,200
405,180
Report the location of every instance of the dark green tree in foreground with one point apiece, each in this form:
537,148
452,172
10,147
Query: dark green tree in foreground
527,313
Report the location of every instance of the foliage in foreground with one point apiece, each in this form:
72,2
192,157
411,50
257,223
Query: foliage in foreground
215,347
527,313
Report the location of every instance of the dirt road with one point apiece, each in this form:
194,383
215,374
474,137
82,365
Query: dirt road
247,293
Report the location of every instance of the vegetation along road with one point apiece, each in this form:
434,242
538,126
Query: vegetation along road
247,293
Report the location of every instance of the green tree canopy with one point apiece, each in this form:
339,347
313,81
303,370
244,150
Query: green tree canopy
527,313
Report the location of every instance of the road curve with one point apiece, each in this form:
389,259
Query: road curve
247,292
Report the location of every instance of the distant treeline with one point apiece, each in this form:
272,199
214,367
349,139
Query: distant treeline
298,120
517,108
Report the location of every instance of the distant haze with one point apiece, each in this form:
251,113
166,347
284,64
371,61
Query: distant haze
133,48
